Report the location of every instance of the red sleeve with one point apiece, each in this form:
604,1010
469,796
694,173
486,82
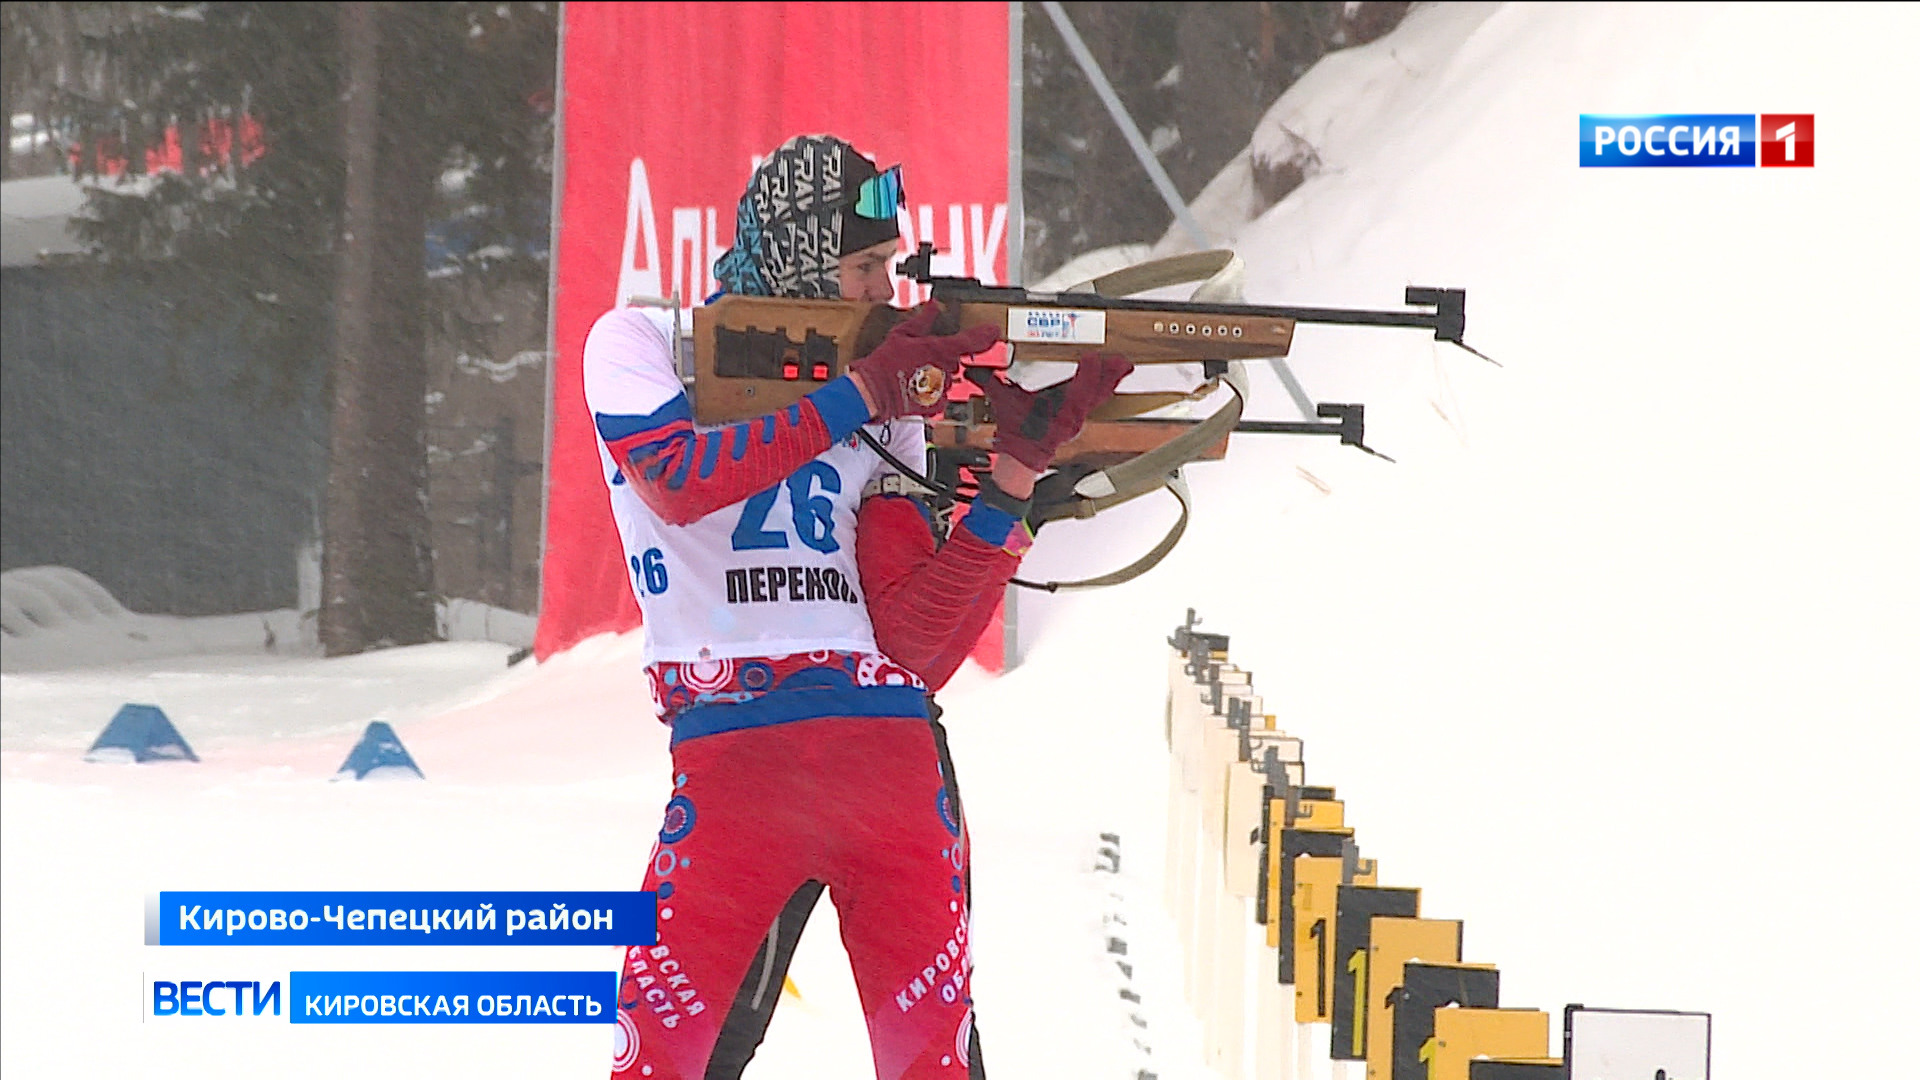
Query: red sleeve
928,607
684,475
642,414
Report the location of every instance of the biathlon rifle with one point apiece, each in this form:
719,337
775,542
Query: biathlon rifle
754,355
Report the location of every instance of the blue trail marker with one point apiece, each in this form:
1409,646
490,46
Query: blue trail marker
379,756
140,733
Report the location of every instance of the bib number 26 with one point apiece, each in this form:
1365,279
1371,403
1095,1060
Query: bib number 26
650,567
812,513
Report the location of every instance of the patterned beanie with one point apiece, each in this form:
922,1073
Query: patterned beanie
796,220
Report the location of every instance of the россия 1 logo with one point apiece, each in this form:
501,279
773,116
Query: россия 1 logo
1697,140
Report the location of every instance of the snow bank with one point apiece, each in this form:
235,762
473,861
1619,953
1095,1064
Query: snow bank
55,617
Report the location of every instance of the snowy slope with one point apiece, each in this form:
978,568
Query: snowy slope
1616,664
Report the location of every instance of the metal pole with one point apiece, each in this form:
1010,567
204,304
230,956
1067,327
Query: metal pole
1016,143
553,284
1016,254
1292,382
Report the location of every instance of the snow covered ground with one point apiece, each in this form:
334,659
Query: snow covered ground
1617,664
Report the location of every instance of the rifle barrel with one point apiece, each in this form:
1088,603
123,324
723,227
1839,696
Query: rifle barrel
1289,427
971,293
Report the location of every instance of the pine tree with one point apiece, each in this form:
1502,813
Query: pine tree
314,142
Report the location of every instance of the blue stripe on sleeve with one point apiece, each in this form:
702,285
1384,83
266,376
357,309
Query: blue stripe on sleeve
710,452
741,437
613,426
842,407
679,476
766,428
640,451
989,523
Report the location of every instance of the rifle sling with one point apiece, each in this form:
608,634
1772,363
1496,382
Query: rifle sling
1177,485
1160,467
1138,475
1121,406
1160,273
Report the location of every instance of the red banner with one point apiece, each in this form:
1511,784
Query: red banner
665,110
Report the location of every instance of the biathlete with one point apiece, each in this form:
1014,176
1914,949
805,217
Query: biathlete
797,611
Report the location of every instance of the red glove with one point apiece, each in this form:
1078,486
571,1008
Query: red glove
908,374
1031,424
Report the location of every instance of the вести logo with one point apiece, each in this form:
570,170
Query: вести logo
214,997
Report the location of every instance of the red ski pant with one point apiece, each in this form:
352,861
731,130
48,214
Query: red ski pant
857,803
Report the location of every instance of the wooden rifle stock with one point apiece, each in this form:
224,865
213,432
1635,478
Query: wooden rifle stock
754,355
